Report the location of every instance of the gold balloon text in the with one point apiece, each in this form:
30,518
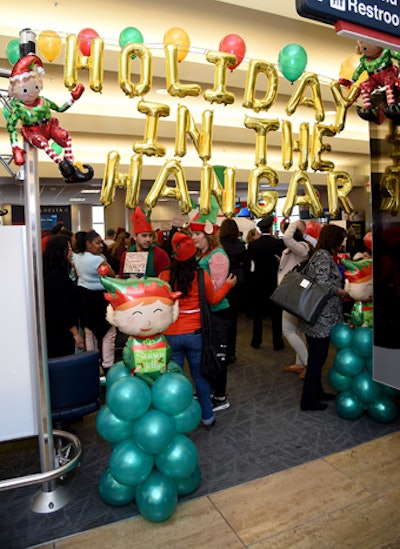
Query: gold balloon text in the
310,146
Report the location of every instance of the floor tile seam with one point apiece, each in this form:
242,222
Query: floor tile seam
322,516
221,514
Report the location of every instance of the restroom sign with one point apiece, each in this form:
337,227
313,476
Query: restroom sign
378,15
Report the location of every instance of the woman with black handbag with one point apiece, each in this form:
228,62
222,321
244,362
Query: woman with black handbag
185,334
323,269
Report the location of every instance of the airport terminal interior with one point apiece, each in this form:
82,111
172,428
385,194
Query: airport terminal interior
272,476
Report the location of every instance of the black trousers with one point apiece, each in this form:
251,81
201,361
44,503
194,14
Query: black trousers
262,309
222,325
318,348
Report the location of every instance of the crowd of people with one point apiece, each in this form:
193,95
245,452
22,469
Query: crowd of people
240,274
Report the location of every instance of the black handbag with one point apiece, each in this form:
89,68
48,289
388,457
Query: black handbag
301,296
210,365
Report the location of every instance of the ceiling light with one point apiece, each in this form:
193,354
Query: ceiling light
77,199
90,191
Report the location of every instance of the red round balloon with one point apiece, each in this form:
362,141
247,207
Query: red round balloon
313,228
85,38
233,43
368,240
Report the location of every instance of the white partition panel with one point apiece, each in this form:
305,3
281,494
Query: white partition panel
18,417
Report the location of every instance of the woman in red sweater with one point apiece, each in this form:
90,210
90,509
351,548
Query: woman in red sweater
184,335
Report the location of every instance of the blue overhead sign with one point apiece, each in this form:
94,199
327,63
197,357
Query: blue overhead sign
379,15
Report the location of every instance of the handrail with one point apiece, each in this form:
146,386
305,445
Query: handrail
36,478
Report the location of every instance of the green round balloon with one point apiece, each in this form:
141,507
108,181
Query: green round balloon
130,35
187,420
348,363
180,459
113,492
172,393
338,381
364,388
292,61
129,397
362,341
341,336
348,406
189,484
383,410
111,427
116,372
12,51
156,497
129,464
154,431
6,113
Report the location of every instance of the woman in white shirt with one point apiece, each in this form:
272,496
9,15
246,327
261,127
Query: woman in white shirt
297,250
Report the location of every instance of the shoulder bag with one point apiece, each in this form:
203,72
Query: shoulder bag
210,366
300,295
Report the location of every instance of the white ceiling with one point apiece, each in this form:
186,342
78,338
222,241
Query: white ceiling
109,121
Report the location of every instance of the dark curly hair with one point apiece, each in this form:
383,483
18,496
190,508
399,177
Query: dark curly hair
55,254
331,238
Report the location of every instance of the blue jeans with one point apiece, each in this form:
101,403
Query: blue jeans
189,345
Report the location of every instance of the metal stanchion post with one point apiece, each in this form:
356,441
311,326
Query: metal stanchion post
51,497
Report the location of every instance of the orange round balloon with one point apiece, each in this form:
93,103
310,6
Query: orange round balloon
49,44
180,38
348,67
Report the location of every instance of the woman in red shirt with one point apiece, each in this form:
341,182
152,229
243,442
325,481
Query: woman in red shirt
184,335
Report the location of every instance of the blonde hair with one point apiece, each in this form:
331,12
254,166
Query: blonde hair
251,235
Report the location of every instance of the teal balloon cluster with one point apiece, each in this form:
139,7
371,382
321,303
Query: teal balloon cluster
152,460
351,376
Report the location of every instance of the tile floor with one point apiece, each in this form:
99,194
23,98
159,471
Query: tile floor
350,499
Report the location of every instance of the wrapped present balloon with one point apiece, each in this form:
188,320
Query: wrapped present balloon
359,286
149,407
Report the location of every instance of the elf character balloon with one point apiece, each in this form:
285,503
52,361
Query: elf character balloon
150,408
378,63
143,308
33,113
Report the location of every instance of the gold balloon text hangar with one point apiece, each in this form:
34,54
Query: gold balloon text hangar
310,145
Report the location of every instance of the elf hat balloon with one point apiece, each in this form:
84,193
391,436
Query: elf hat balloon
129,292
25,67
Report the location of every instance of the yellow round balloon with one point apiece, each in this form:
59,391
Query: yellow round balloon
49,44
348,67
180,38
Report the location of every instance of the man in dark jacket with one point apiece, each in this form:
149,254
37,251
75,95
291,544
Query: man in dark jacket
266,252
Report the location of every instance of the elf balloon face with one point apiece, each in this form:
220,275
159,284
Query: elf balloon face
140,307
27,90
144,320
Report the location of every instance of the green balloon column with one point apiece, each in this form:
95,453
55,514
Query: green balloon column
149,410
351,376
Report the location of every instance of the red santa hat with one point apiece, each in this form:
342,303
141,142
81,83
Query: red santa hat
183,246
140,222
26,66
